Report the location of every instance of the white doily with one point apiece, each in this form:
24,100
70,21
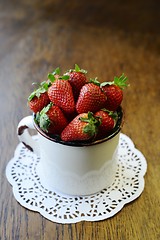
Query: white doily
128,184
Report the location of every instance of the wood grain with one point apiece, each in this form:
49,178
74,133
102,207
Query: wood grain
106,38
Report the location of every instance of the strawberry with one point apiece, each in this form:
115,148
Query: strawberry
60,93
83,127
77,79
107,122
51,119
114,92
91,98
39,98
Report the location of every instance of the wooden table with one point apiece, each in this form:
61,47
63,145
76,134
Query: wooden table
106,38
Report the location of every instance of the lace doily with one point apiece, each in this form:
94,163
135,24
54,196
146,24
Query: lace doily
128,184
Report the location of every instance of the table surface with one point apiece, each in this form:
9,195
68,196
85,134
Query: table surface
107,38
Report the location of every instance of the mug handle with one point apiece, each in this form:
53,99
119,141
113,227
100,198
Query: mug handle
24,135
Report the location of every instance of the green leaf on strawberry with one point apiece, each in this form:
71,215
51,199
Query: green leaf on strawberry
44,122
51,76
64,77
93,123
77,69
42,119
113,114
56,72
95,81
43,87
121,82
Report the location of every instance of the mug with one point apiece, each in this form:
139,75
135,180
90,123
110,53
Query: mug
70,167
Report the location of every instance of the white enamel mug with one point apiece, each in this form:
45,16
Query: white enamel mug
73,168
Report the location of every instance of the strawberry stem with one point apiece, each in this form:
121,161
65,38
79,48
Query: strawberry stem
42,119
121,82
56,71
112,114
43,87
77,69
95,81
93,123
51,76
64,77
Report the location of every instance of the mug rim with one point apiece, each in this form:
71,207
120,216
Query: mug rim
117,128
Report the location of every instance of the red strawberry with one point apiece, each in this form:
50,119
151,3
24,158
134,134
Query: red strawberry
114,92
39,98
77,79
60,93
51,119
107,122
83,127
91,98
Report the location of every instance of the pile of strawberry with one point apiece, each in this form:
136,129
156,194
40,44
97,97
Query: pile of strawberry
75,108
